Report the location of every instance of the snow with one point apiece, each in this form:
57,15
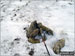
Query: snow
59,16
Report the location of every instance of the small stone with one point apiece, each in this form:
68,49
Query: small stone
14,15
24,28
17,39
31,52
1,20
28,47
70,3
12,43
12,19
20,0
16,54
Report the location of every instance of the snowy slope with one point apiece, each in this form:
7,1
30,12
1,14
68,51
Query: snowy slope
15,15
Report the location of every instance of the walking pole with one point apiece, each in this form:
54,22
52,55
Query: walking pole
45,45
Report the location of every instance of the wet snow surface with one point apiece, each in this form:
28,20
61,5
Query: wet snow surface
15,15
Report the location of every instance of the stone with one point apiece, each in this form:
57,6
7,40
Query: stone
31,52
58,46
17,39
36,29
16,54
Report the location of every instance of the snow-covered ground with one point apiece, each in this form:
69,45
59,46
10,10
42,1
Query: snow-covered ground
15,15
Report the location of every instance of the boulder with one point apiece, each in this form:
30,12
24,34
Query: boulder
36,29
58,46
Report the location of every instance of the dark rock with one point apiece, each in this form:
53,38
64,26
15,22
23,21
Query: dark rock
14,15
24,28
1,20
12,44
31,52
17,39
70,3
16,54
12,19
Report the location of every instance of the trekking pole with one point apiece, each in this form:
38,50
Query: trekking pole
45,45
